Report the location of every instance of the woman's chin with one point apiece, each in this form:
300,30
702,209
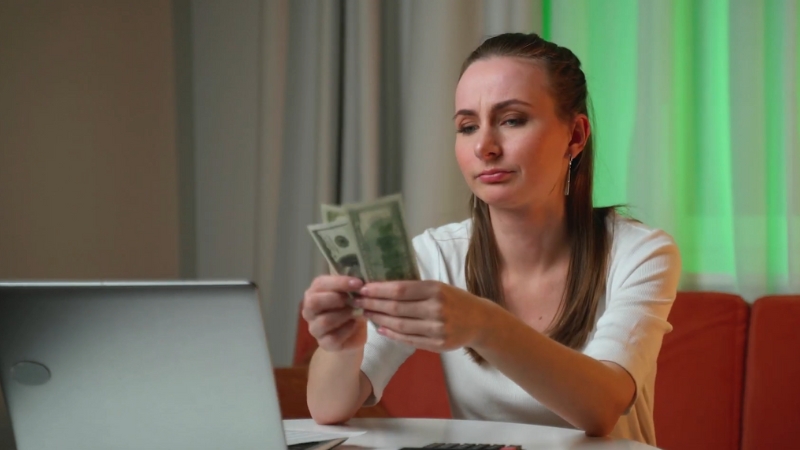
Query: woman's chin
498,200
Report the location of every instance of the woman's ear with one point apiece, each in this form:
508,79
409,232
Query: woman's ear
581,130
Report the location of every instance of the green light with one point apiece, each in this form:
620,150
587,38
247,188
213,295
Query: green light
777,257
683,89
711,208
719,133
547,17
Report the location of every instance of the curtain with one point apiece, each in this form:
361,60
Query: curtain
355,99
696,107
696,120
296,155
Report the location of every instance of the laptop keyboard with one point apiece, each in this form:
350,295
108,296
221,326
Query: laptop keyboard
443,446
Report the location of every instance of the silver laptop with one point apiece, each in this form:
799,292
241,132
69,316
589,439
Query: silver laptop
137,366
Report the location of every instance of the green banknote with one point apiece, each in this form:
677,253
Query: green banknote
368,240
382,238
336,240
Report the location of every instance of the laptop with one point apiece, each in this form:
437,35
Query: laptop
150,365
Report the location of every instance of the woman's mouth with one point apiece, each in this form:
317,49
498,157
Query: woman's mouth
494,176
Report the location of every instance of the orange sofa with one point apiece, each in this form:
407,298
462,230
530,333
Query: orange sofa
728,376
700,376
772,390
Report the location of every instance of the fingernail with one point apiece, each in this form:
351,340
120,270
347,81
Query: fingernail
364,291
358,303
355,283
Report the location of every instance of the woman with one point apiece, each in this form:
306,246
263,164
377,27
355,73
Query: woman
561,306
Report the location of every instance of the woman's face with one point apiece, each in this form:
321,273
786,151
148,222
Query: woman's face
512,148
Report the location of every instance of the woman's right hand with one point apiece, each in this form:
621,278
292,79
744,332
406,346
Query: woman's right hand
331,321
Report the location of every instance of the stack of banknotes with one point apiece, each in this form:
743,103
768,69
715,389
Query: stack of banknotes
367,240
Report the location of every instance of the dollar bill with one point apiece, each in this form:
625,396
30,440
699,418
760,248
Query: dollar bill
331,212
383,242
336,240
337,243
367,240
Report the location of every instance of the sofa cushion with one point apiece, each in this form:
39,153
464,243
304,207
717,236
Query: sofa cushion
699,382
772,382
418,388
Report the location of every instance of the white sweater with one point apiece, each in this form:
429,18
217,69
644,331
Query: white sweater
631,321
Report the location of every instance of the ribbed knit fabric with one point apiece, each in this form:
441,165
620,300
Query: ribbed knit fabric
631,322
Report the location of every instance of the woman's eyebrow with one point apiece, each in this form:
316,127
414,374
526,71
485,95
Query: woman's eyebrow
495,107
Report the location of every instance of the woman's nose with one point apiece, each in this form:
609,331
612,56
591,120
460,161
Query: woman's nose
487,147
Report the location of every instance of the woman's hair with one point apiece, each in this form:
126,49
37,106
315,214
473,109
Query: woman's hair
587,228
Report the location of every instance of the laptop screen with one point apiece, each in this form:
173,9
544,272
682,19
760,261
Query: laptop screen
137,365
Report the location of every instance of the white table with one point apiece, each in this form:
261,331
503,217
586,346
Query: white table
396,433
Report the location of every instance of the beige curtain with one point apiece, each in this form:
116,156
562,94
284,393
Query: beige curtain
355,102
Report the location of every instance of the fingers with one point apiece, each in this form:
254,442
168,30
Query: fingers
413,309
337,339
316,303
329,321
328,292
407,326
401,290
336,283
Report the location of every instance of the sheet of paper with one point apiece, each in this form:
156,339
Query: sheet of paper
305,436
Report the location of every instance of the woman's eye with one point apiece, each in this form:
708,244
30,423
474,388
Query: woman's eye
515,121
467,129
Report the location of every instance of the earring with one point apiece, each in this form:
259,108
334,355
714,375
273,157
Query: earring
569,175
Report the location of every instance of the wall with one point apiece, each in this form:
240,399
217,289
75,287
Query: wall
88,163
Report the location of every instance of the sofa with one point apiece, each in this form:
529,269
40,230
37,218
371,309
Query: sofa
728,376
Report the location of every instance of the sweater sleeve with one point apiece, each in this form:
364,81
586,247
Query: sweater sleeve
383,356
642,284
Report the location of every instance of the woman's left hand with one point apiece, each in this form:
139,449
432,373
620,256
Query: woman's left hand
430,315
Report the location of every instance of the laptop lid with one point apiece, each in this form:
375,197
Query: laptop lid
180,365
